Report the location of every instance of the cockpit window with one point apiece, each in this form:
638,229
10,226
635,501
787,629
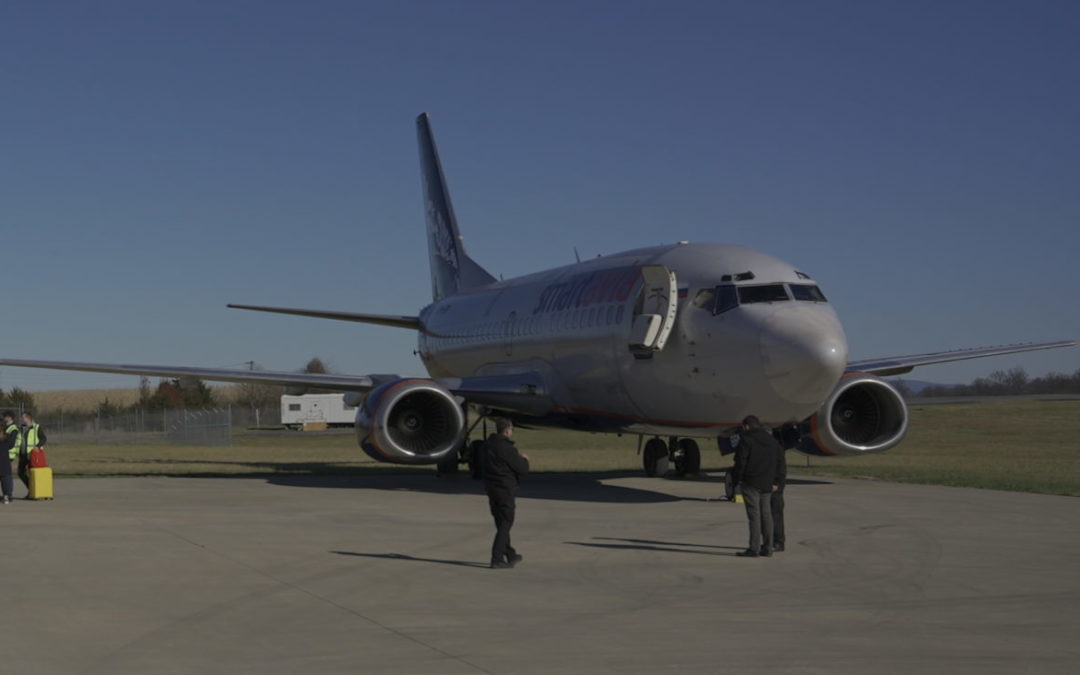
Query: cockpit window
704,298
766,293
807,293
725,299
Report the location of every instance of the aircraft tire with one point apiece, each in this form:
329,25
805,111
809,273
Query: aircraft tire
476,462
729,485
688,457
448,466
655,457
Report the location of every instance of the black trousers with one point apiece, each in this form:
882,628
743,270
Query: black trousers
6,484
24,469
502,510
778,517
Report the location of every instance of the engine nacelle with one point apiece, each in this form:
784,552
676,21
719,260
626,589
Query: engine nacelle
863,414
410,421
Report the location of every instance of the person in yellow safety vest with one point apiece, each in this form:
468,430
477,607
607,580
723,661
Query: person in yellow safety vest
9,447
31,436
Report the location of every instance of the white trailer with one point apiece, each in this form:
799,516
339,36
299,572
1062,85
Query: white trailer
316,409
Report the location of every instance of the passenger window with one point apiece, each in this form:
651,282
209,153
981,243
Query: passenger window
725,299
766,293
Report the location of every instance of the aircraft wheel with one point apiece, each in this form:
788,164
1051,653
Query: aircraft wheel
729,485
687,457
476,461
448,466
655,457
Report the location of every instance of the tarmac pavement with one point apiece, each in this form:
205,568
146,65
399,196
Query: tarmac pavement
388,574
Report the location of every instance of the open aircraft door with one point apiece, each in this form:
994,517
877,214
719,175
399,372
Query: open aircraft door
654,314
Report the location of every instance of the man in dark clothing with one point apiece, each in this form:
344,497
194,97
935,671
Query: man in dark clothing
758,468
503,468
9,447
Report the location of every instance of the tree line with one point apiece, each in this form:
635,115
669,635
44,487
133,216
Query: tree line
172,394
1012,382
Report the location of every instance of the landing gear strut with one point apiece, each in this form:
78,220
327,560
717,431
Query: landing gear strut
682,452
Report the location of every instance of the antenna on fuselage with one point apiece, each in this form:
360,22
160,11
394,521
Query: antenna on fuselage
577,255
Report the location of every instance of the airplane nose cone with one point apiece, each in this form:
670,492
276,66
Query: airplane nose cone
804,353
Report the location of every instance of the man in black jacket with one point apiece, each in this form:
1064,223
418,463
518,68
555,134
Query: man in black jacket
503,468
759,467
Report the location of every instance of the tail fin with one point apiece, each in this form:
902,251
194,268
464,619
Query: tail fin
451,269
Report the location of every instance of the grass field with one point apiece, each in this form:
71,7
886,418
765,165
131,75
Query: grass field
1023,446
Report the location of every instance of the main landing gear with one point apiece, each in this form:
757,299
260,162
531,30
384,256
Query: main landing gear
658,456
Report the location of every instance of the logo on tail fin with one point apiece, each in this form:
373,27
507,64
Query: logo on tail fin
451,268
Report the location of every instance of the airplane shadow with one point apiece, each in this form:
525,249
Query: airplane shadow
402,556
591,486
577,487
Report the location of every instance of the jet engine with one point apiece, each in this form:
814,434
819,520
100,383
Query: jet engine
863,414
410,421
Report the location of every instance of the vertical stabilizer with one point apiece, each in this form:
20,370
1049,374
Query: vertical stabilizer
451,269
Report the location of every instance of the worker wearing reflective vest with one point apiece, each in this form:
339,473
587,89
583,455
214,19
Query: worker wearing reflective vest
30,436
9,448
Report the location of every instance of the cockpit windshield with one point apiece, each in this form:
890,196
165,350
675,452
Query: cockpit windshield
728,296
764,293
807,292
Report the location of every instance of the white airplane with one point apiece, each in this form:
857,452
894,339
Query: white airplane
679,341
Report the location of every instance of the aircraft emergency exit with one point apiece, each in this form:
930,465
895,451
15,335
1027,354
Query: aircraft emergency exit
677,342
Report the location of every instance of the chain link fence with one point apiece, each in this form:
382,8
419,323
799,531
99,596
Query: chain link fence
210,426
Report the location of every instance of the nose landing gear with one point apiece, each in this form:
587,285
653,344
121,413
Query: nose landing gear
658,456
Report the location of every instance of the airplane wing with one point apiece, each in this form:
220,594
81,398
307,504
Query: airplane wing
898,365
378,319
320,380
522,392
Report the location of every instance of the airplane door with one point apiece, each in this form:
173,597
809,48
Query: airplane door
654,314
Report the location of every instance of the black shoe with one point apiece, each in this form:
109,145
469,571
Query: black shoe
765,552
778,548
501,565
514,559
748,553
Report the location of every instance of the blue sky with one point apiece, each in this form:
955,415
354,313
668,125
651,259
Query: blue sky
158,160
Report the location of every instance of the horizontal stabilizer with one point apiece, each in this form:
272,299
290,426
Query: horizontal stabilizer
379,319
898,365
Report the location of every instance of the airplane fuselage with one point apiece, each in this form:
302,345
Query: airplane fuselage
768,354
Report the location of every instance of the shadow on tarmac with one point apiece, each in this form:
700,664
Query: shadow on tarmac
578,487
402,556
588,486
652,545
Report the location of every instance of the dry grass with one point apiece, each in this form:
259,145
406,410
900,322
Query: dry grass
1026,446
88,400
83,400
